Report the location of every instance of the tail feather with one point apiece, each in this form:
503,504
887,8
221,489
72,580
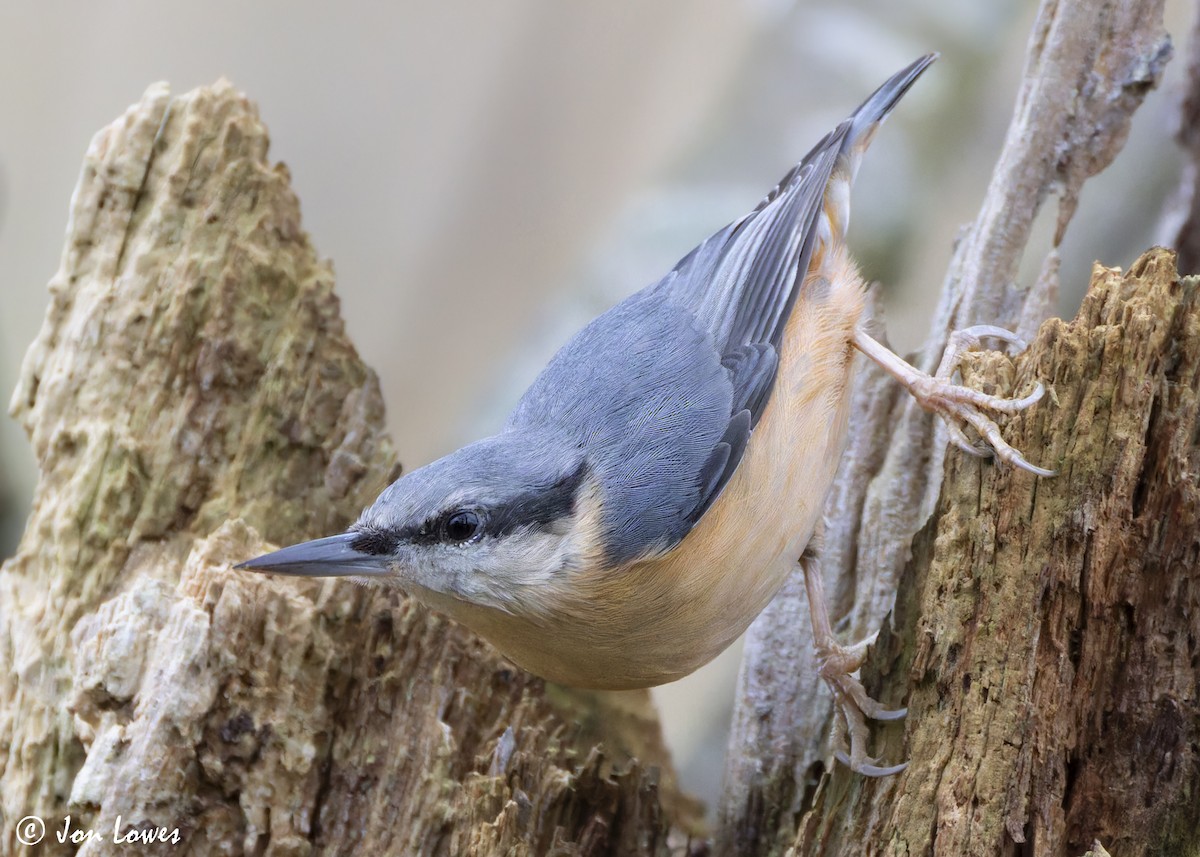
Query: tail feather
871,113
742,282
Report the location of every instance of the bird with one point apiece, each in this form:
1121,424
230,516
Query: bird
665,473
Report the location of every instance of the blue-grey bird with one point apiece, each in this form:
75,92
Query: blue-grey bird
655,486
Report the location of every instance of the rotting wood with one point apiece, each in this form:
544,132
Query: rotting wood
1048,630
193,387
1089,64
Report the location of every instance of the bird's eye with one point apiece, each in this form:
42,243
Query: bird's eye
462,526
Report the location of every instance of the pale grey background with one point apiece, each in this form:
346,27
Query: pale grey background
488,176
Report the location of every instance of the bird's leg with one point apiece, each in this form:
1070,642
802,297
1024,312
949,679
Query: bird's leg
836,664
955,404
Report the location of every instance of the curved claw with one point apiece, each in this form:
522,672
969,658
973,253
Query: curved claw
1003,451
1033,398
961,341
959,439
1015,406
979,331
1019,461
836,664
868,769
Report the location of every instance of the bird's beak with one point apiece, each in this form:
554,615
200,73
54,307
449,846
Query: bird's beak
328,557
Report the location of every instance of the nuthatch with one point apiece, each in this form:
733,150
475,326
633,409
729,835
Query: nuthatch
661,478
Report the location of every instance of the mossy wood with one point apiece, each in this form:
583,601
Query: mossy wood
192,395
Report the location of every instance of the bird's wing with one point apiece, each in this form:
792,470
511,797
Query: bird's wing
643,393
663,390
741,285
741,282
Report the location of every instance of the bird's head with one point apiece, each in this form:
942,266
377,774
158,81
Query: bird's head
484,525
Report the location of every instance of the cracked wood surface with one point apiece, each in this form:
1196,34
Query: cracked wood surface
1089,65
1048,630
192,388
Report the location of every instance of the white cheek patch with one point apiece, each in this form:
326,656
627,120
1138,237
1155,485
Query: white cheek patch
496,572
527,560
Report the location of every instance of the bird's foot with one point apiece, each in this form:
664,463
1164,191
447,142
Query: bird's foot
836,664
853,706
955,404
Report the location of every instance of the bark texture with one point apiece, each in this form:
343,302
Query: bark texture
192,388
1048,630
1089,65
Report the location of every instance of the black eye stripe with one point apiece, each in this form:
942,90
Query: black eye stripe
538,509
375,541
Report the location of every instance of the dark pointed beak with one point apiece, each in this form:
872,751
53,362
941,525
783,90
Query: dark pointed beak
328,557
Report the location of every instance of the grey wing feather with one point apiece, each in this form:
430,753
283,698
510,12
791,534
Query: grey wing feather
741,285
664,389
642,391
743,282
751,372
722,462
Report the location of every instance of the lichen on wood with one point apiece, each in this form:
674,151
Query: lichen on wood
191,398
1047,630
1089,65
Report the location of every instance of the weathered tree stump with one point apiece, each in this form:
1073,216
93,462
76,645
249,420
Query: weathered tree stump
1047,631
191,389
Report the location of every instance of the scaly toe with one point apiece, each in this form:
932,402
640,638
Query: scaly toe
990,432
952,402
961,341
942,391
1001,405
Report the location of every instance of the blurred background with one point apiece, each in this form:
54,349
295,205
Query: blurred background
486,177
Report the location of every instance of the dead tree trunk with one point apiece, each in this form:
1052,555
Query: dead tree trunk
192,395
998,653
1047,632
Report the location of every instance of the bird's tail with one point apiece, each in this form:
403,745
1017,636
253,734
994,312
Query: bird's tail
871,113
742,282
